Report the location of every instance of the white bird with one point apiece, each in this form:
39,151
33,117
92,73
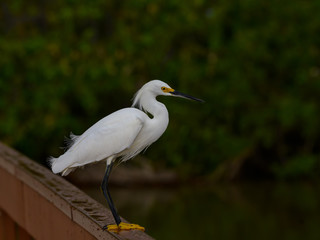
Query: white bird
120,135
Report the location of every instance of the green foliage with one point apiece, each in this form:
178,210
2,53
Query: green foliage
298,166
66,64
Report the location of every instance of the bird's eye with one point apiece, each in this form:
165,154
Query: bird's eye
163,88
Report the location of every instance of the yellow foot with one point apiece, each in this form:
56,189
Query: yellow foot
124,226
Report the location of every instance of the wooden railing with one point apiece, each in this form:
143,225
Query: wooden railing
36,204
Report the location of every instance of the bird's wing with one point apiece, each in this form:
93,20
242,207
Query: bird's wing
110,136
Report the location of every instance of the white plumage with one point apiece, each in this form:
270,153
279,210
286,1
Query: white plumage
124,133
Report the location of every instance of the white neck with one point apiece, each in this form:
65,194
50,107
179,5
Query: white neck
150,104
160,120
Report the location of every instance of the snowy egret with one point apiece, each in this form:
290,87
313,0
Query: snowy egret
120,135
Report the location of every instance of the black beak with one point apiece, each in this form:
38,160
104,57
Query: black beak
183,95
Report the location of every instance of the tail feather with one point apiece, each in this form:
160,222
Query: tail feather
52,162
60,165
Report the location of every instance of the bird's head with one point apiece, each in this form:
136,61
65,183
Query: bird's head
158,88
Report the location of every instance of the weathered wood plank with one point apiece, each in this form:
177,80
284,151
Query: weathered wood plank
49,207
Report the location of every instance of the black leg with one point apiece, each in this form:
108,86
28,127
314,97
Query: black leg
105,189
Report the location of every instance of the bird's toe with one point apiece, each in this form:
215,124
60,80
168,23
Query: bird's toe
123,227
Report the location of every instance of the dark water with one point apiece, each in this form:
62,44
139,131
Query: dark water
243,211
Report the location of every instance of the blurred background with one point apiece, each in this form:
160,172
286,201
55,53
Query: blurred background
243,164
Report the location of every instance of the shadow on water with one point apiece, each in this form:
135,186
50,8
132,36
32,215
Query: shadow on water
241,211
